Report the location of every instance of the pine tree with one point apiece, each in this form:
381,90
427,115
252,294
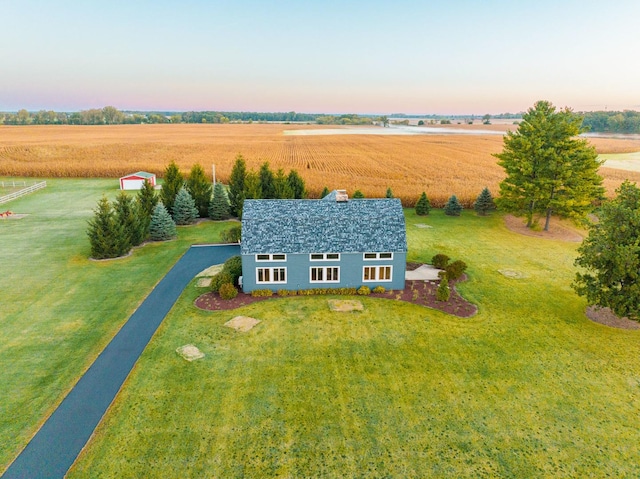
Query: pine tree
267,182
423,206
453,207
252,190
236,186
484,203
281,183
200,189
549,169
162,226
105,233
146,203
325,192
219,206
389,193
173,182
184,208
126,215
358,195
296,183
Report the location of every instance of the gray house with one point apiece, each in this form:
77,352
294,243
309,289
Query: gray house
329,243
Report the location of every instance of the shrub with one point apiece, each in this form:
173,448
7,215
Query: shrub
379,289
284,292
443,292
364,291
440,261
358,195
233,267
232,235
228,291
219,279
262,293
455,269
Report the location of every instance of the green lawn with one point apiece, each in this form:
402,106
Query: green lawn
527,388
58,309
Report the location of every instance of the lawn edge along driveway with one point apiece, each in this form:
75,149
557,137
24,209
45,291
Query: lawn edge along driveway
56,445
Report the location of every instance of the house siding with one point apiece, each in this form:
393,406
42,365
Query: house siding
298,271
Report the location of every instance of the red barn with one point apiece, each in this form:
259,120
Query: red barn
134,181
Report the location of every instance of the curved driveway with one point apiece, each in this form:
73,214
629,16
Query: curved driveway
54,448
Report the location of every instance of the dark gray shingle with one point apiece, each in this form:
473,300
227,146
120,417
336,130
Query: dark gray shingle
321,226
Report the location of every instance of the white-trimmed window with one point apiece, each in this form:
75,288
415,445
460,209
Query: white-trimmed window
377,256
271,275
324,257
271,257
324,274
377,273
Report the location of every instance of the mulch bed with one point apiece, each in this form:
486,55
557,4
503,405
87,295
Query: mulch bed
422,293
609,318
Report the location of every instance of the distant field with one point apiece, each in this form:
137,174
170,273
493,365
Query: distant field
441,165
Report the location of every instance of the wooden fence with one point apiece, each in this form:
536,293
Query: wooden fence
19,193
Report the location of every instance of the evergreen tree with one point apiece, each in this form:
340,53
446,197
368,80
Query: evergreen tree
252,189
610,255
267,182
162,226
236,186
453,207
173,182
549,170
423,206
484,203
296,183
325,191
443,292
126,216
184,208
105,233
146,203
389,193
200,189
281,184
219,206
358,195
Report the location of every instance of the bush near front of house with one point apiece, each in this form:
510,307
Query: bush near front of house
231,272
440,261
456,269
228,291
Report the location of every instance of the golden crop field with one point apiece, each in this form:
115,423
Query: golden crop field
441,165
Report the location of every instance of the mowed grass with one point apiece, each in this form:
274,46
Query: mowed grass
59,309
527,388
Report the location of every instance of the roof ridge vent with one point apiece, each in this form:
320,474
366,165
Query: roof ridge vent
342,196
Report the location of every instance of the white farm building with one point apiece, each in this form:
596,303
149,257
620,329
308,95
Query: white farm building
134,181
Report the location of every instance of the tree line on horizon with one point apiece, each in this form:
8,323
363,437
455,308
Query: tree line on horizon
110,115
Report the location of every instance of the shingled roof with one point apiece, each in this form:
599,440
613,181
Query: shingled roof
323,226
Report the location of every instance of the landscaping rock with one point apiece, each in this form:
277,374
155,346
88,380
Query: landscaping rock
190,352
242,323
345,305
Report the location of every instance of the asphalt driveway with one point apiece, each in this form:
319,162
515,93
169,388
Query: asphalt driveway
54,448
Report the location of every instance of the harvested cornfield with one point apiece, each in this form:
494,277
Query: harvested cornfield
441,165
